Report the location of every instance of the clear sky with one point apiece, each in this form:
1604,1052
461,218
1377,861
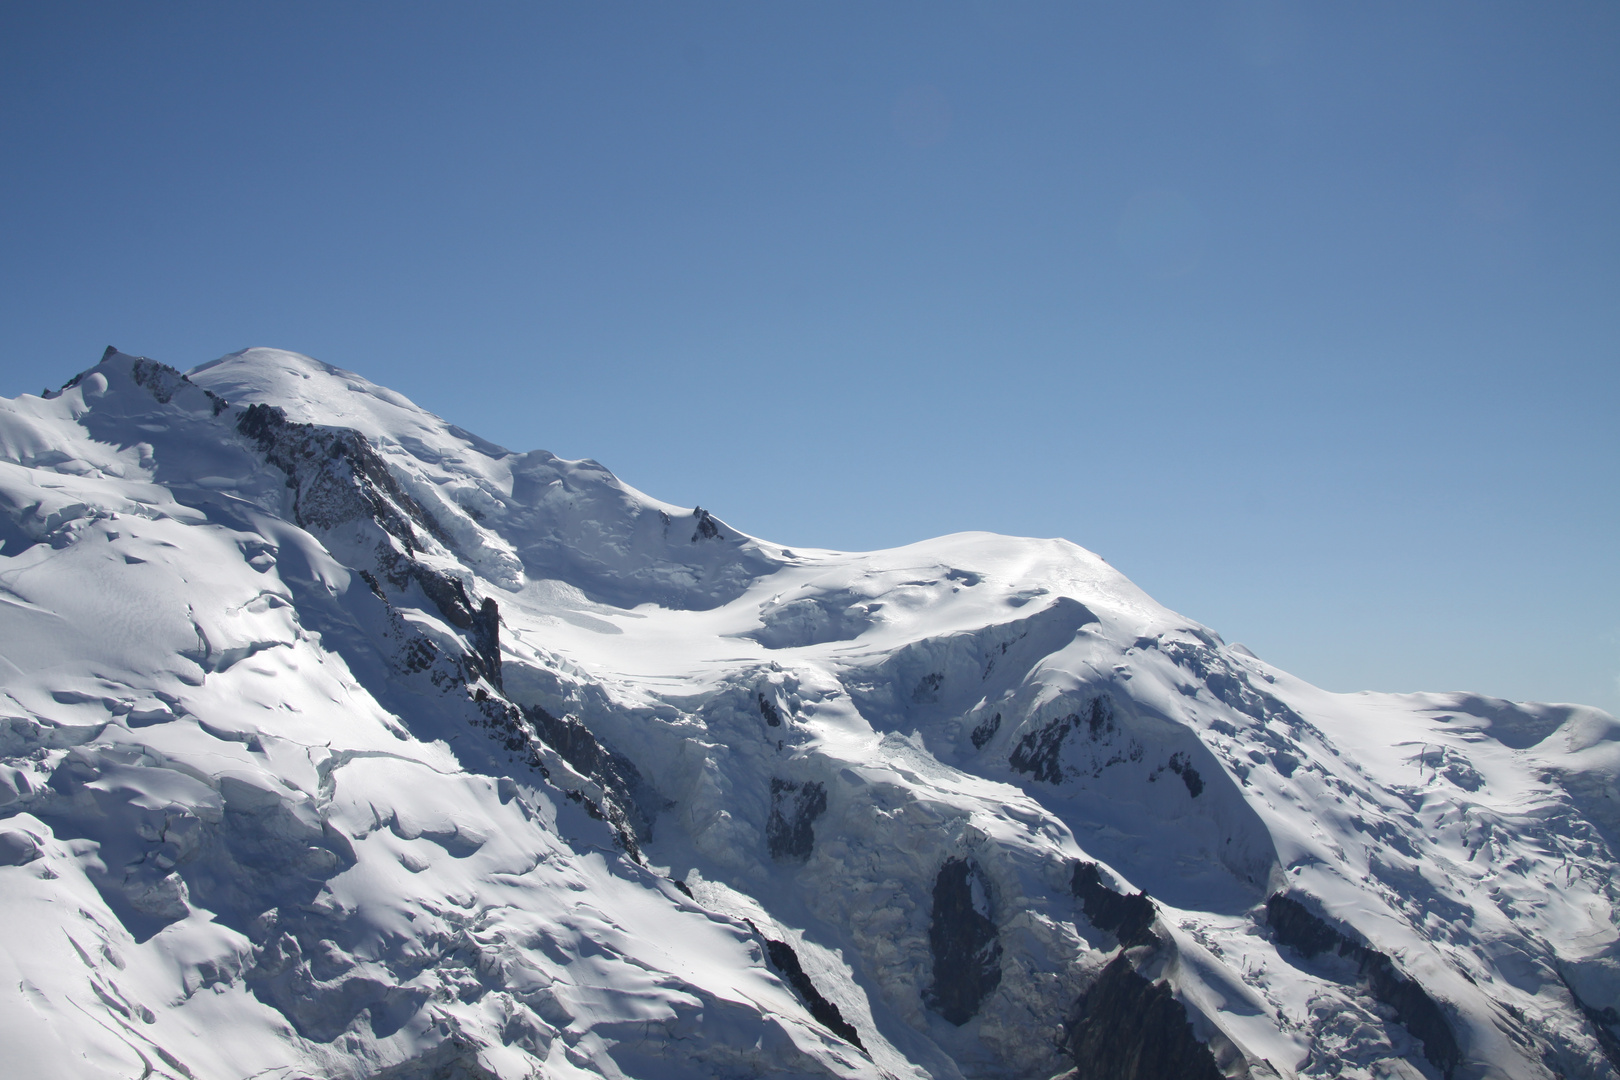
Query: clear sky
1305,316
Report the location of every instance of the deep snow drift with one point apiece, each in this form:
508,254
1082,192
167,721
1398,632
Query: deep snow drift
338,742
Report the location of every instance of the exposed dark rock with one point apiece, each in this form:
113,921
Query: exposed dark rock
1100,719
962,937
1128,917
768,709
1041,752
159,380
336,476
374,585
1605,1024
574,795
486,635
449,595
985,731
1182,767
794,809
785,960
1298,927
617,775
707,529
1127,1028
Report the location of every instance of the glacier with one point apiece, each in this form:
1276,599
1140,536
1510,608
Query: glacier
338,742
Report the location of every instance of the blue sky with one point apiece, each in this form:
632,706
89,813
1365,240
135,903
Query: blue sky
1307,317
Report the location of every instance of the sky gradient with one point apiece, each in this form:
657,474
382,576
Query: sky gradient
1305,316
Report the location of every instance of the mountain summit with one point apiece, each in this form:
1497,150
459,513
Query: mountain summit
337,742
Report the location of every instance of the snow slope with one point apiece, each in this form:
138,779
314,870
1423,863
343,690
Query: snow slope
392,753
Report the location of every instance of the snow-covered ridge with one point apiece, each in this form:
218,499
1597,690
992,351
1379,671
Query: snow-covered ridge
401,754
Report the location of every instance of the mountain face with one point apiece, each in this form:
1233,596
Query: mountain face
338,742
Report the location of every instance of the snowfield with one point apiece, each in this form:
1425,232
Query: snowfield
336,742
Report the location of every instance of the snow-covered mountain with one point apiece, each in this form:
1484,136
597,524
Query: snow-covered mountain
338,742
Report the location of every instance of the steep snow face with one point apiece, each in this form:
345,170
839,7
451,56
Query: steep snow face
398,754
